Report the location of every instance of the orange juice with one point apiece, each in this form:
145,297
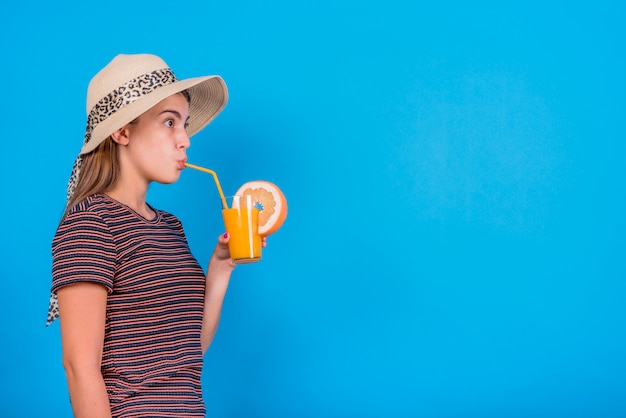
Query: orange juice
241,222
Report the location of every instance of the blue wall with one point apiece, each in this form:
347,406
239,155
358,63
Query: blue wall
455,244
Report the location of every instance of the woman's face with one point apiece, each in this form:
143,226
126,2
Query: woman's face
158,141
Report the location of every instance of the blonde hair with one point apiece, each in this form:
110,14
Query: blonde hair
98,173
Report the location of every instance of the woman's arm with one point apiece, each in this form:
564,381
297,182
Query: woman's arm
82,313
217,279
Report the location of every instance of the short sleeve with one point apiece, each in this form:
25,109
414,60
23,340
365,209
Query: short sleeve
83,250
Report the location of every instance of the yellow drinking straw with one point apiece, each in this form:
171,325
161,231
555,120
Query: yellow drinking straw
217,182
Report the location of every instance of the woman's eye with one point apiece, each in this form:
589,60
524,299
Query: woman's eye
169,123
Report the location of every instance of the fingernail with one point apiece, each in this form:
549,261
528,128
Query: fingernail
225,235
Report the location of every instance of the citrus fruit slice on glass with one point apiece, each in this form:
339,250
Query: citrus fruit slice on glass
271,202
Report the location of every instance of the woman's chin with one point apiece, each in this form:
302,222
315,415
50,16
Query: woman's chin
168,179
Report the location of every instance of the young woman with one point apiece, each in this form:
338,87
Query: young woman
136,310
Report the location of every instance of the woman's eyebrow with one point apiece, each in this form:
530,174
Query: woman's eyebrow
175,112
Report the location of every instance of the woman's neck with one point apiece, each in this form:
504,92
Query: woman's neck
134,199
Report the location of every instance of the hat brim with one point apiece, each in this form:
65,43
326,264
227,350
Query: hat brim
208,94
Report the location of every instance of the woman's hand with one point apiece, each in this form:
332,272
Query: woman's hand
221,253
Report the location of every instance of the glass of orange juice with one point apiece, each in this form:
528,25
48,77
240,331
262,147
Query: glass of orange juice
241,222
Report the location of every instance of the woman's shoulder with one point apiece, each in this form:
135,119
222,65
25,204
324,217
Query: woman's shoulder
91,204
86,217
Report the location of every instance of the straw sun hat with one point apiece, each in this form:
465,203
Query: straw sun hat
131,84
127,87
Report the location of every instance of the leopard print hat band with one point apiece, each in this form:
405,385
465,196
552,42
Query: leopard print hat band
125,88
124,95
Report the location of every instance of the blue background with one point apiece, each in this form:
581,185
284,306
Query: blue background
455,174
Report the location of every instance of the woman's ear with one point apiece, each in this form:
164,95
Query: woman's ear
121,136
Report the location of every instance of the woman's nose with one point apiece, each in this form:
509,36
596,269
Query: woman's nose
183,140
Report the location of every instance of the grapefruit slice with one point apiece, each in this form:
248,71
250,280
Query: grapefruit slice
271,202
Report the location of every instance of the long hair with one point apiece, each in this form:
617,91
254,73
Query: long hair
99,171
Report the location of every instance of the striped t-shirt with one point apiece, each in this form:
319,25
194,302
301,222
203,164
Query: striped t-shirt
152,358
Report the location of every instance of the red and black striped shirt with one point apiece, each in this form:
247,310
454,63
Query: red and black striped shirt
152,358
